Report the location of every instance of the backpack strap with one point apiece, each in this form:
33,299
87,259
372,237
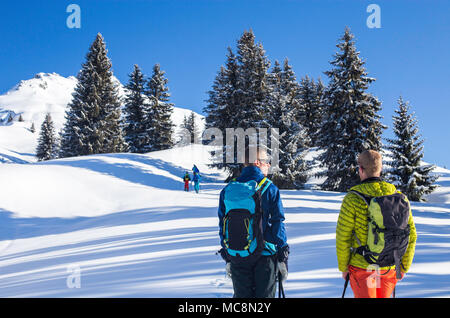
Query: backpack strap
263,185
260,189
397,261
261,182
367,198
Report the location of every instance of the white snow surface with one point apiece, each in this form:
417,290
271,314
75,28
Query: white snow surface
124,224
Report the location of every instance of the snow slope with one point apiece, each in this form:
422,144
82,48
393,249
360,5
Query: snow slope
124,224
33,99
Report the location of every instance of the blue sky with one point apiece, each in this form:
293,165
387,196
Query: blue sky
408,55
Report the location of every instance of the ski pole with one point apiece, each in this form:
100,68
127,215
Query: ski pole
346,284
280,286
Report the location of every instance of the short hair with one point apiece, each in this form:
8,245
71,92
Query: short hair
259,150
371,162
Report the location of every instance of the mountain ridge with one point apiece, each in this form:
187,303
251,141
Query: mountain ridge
33,99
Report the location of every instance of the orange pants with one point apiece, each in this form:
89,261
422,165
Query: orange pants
370,284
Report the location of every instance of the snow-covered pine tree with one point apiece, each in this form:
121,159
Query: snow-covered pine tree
289,85
93,116
160,126
114,141
47,144
222,107
252,91
252,82
239,88
283,105
276,101
185,123
291,89
182,138
351,122
406,152
135,111
311,99
192,126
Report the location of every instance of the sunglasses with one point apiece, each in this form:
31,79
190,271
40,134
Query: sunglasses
264,160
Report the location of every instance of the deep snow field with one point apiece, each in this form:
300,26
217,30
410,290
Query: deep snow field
120,225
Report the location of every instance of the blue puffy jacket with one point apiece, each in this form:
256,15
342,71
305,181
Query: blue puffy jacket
273,214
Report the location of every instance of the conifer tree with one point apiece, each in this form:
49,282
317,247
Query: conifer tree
351,122
189,125
406,151
239,95
192,126
93,116
311,99
252,82
160,126
283,104
222,107
47,143
184,133
135,111
222,103
185,123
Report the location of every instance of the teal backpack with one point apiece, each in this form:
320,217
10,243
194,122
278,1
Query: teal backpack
242,222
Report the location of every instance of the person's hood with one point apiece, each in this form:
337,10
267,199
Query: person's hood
250,173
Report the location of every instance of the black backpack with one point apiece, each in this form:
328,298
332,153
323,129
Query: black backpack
388,230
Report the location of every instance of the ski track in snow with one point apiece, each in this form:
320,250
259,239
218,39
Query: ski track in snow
125,223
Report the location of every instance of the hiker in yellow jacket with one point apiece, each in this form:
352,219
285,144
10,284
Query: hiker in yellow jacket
365,281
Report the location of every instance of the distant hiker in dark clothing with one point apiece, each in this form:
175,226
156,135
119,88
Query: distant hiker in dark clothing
196,179
195,169
186,180
254,267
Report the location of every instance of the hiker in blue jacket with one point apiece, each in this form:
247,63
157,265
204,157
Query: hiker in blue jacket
196,179
257,278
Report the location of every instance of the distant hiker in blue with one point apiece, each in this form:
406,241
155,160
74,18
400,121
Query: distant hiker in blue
196,179
254,244
186,179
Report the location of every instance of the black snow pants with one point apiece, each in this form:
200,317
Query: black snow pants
255,279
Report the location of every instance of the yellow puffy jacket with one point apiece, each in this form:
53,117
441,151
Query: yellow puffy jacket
353,220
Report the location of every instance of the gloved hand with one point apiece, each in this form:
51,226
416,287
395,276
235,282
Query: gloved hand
225,257
228,270
282,257
282,269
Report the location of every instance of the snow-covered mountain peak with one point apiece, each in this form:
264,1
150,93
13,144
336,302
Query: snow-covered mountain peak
33,99
42,81
43,75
